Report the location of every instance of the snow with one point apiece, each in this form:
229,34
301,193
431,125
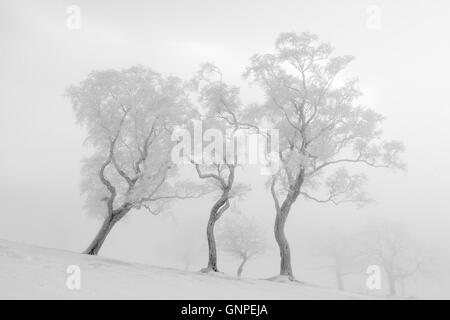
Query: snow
31,272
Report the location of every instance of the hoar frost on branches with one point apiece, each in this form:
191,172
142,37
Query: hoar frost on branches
219,108
129,116
321,128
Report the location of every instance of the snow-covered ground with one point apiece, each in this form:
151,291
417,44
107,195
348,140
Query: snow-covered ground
30,272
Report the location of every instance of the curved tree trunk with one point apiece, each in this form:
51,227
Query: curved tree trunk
280,221
216,212
105,229
241,267
285,251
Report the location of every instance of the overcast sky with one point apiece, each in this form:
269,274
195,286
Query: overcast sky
403,67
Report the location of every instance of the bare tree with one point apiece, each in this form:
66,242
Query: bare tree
321,126
243,238
184,245
389,245
128,116
344,252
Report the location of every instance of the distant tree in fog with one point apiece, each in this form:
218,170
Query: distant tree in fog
243,238
344,252
128,116
321,127
184,244
389,245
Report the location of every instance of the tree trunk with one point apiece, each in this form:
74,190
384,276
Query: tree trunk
107,225
216,212
280,221
241,267
403,287
212,251
285,251
339,281
391,280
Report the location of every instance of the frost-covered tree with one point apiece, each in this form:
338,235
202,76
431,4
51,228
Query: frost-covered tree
128,116
321,127
216,163
389,245
242,237
184,245
343,253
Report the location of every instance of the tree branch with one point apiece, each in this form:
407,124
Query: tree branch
209,175
274,195
103,179
357,160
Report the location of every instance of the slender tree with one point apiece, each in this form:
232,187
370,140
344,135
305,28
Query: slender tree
344,252
243,238
389,245
185,243
321,127
217,162
129,116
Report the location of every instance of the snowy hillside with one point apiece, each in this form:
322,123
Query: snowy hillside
29,272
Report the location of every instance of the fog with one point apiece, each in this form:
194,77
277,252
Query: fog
402,66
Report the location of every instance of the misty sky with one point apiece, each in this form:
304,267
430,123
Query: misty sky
403,68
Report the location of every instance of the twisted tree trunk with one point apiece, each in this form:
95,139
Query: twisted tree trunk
104,231
216,212
283,244
280,221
